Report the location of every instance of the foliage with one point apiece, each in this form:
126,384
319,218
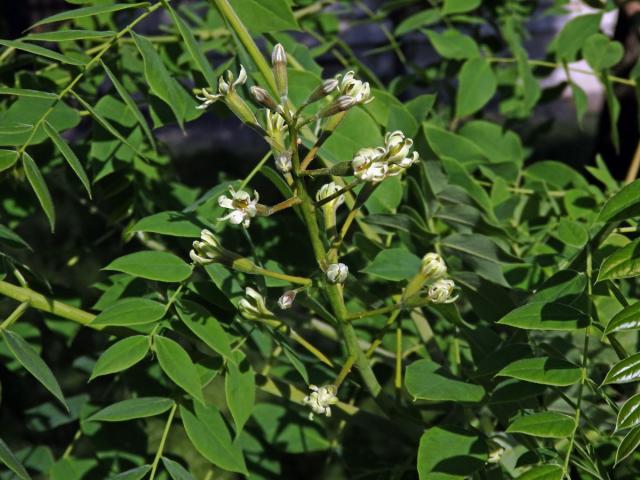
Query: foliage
177,331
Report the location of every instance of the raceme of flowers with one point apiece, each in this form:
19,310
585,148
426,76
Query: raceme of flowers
371,165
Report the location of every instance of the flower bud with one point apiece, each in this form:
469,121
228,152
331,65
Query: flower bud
441,291
208,250
433,266
279,66
327,190
283,161
261,96
368,165
323,90
285,301
341,104
337,273
321,399
253,306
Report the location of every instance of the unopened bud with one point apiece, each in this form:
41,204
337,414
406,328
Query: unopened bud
323,90
283,161
253,306
261,96
285,301
341,104
433,266
279,66
337,272
442,291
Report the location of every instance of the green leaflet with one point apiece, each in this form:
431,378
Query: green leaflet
426,380
161,266
623,263
9,459
40,188
240,388
133,408
121,355
130,311
625,320
69,156
546,316
544,424
177,364
625,371
543,370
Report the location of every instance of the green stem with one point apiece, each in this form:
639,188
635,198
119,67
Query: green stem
163,440
45,304
255,170
227,11
15,315
282,276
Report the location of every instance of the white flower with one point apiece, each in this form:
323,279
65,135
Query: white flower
327,190
337,272
224,88
433,266
320,400
243,209
285,301
207,250
283,161
357,89
398,152
441,291
368,165
253,307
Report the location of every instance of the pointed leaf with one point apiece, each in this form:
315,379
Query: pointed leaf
68,154
8,159
477,84
209,435
41,51
200,321
623,263
543,472
141,407
544,424
40,188
31,361
625,371
543,370
130,311
176,471
121,355
137,473
629,414
240,388
623,205
628,445
89,12
546,316
160,266
625,320
9,459
426,380
177,364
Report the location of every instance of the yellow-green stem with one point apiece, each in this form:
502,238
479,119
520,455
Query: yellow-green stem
163,440
15,315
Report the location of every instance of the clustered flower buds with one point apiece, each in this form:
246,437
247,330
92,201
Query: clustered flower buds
242,207
433,266
253,306
327,190
442,291
376,164
285,302
227,93
354,88
208,249
320,400
276,129
337,273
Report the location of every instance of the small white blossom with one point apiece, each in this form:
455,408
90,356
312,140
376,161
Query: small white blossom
224,88
433,266
285,301
357,89
337,272
320,400
283,162
368,165
327,190
398,152
207,250
253,306
441,291
242,207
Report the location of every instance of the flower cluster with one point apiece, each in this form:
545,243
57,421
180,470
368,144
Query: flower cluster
349,86
253,306
337,273
242,207
208,249
376,164
434,270
320,400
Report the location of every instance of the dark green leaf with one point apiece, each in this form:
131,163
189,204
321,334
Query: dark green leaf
137,473
477,84
133,408
42,52
240,387
628,445
426,380
624,205
543,472
544,371
453,44
623,263
546,316
450,453
205,326
31,361
40,188
544,424
394,264
177,471
160,266
262,16
625,371
69,156
121,355
130,311
459,6
9,459
68,35
625,320
89,11
209,435
417,20
8,158
629,414
176,224
177,364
